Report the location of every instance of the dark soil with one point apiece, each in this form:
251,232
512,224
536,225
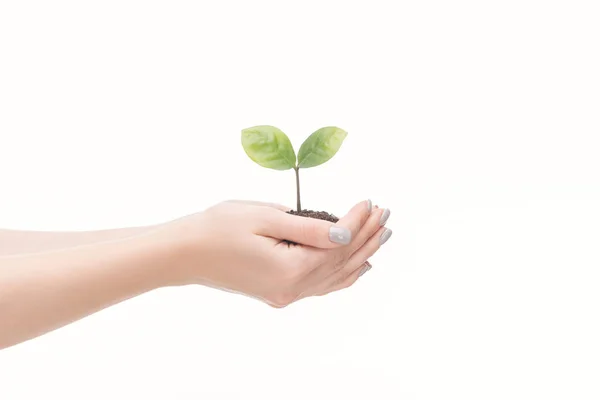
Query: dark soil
312,214
315,214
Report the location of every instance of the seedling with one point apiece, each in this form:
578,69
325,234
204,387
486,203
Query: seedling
269,147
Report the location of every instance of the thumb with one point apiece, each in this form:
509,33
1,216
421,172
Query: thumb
315,232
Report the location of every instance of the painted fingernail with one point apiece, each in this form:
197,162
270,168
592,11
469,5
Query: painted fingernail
364,269
369,205
338,234
384,217
385,236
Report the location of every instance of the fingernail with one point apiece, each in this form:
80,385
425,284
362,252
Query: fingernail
369,205
364,269
338,234
385,236
384,217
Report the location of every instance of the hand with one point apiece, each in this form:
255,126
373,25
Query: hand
239,247
234,246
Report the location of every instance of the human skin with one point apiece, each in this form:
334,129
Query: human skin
13,242
236,246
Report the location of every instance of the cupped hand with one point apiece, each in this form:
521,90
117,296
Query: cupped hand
240,246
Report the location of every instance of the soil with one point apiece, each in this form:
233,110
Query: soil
315,214
312,214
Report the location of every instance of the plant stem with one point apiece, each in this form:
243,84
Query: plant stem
297,169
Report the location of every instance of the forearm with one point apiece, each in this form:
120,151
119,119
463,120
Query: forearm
42,292
14,242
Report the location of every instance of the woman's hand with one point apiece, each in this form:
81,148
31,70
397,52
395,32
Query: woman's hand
234,246
239,246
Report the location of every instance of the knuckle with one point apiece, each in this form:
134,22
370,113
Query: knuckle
265,217
338,280
276,306
285,288
343,282
224,209
282,299
307,230
347,283
268,212
340,260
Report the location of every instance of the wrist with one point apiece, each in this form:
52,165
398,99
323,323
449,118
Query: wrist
176,255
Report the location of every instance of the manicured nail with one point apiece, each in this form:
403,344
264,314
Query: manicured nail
369,205
364,269
385,236
338,234
384,217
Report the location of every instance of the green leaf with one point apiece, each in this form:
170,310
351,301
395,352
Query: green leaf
320,146
269,147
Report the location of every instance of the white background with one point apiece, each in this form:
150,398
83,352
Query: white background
476,122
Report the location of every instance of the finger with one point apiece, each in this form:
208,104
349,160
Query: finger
315,232
261,204
377,219
356,217
348,281
358,258
330,262
323,288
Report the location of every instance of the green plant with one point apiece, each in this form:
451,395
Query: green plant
269,147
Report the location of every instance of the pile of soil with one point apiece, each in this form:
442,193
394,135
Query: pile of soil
315,214
312,214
